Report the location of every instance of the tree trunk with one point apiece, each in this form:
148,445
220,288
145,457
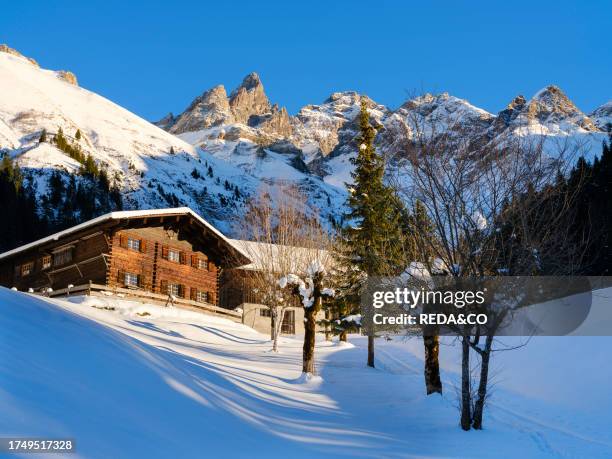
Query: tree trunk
371,348
308,361
432,364
466,415
482,385
277,329
343,335
272,323
328,334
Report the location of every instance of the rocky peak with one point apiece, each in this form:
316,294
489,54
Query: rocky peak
166,122
551,105
509,114
602,116
210,109
438,113
276,122
68,77
251,81
249,99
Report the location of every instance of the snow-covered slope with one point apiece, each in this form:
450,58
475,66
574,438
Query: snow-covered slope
150,165
153,168
130,380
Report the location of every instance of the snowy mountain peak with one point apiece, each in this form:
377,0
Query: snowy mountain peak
602,116
551,105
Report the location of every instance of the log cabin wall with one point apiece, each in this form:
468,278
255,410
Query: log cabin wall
74,260
158,258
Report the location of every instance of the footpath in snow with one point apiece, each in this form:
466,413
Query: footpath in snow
127,380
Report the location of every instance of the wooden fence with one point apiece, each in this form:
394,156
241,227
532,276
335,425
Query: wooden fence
145,297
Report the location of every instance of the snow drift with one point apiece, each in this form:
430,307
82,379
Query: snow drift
126,379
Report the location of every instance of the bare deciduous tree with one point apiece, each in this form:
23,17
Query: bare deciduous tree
272,229
495,211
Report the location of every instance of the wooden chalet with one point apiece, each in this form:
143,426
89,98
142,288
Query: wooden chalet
170,253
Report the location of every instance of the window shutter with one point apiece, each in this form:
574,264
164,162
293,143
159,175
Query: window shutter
193,293
194,261
163,287
123,241
182,291
121,277
140,280
143,245
210,298
182,258
165,252
211,266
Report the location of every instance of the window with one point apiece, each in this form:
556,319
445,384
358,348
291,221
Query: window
175,289
46,262
288,325
131,279
202,264
174,255
62,257
201,296
26,268
265,312
133,244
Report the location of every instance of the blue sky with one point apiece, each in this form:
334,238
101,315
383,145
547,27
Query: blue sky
154,57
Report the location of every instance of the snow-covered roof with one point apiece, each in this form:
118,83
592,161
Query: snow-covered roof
119,215
265,256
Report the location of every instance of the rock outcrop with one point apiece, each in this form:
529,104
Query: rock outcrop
68,77
249,99
7,49
210,109
166,122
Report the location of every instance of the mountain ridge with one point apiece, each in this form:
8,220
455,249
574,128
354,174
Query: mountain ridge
226,147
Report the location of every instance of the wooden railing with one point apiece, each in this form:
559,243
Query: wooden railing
135,294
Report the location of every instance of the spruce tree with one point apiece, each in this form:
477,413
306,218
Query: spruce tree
373,237
43,136
78,134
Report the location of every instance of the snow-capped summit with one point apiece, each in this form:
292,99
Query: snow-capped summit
602,116
443,112
551,106
321,129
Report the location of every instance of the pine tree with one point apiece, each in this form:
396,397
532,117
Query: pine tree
43,136
374,236
78,134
